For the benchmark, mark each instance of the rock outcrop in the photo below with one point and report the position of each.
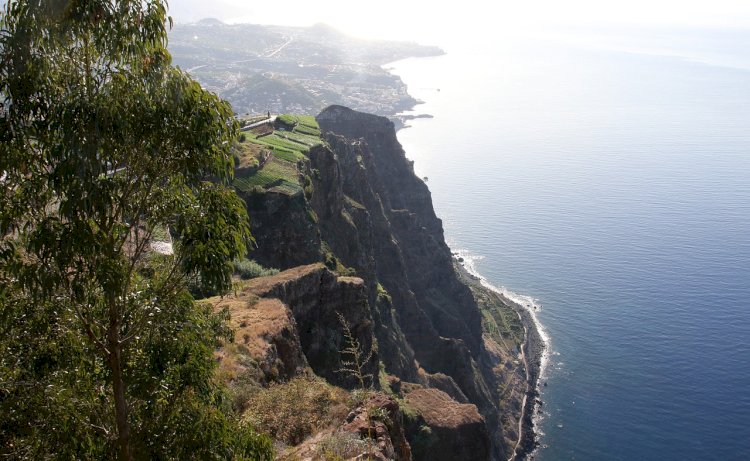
(267, 332)
(379, 419)
(320, 301)
(446, 430)
(374, 430)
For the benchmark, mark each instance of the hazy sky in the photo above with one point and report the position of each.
(429, 20)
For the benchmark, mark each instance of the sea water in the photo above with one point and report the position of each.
(609, 179)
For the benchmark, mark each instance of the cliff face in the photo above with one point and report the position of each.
(282, 226)
(322, 303)
(458, 431)
(368, 209)
(409, 257)
(409, 251)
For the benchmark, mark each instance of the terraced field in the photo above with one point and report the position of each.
(286, 146)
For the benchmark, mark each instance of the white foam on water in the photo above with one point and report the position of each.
(532, 306)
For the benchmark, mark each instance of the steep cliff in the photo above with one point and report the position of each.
(322, 304)
(365, 212)
(436, 312)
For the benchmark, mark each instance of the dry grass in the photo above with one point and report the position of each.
(292, 411)
(436, 406)
(254, 321)
(261, 286)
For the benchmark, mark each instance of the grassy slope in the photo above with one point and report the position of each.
(287, 145)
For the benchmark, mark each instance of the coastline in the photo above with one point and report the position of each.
(533, 354)
(408, 113)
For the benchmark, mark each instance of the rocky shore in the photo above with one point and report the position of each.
(533, 354)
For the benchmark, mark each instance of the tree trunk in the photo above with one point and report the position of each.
(118, 390)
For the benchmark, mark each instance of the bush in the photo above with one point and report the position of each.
(249, 269)
(334, 264)
(344, 445)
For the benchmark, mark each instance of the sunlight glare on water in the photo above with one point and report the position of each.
(610, 180)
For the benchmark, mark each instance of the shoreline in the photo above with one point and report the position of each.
(402, 118)
(534, 351)
(533, 354)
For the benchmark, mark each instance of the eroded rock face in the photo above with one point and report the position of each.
(266, 333)
(353, 224)
(379, 419)
(435, 311)
(284, 228)
(408, 222)
(316, 297)
(268, 329)
(445, 429)
(376, 216)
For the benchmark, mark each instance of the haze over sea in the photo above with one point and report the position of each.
(609, 178)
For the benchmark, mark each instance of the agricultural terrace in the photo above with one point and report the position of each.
(267, 156)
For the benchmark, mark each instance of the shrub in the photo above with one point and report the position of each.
(292, 411)
(344, 445)
(249, 269)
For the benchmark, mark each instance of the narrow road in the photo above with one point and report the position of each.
(274, 52)
(526, 391)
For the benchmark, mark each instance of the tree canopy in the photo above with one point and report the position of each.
(103, 146)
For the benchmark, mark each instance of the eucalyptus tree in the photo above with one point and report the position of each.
(103, 143)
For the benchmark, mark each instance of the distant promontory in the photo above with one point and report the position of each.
(280, 69)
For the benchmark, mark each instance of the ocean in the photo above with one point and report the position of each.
(606, 176)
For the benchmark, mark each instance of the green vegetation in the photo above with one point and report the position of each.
(286, 148)
(333, 263)
(278, 142)
(308, 130)
(499, 320)
(383, 294)
(276, 173)
(293, 120)
(103, 144)
(288, 155)
(287, 119)
(353, 203)
(249, 269)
